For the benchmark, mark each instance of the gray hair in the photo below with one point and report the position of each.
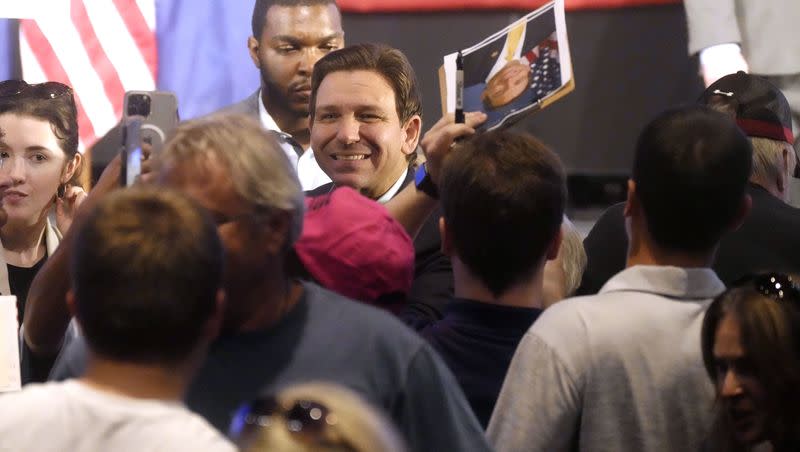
(767, 159)
(259, 169)
(573, 256)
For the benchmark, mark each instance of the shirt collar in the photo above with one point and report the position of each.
(393, 189)
(673, 282)
(264, 116)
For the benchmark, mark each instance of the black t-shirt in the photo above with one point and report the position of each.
(327, 337)
(477, 341)
(19, 281)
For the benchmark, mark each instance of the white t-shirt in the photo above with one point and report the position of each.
(72, 416)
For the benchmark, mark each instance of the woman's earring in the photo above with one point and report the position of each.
(62, 190)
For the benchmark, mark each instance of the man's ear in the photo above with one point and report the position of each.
(411, 134)
(252, 48)
(276, 231)
(214, 324)
(555, 245)
(744, 211)
(782, 183)
(71, 305)
(447, 242)
(632, 200)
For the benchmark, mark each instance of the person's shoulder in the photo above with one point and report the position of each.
(187, 431)
(567, 318)
(326, 305)
(34, 403)
(247, 106)
(321, 190)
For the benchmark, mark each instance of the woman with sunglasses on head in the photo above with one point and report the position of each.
(38, 157)
(314, 417)
(751, 350)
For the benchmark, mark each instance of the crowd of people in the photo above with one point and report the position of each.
(307, 271)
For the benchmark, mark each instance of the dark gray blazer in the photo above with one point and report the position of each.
(248, 106)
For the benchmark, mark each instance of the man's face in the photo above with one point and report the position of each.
(508, 84)
(356, 134)
(294, 38)
(209, 184)
(742, 394)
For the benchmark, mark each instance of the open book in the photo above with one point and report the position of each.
(9, 345)
(518, 70)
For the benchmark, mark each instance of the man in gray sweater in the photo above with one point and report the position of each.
(622, 370)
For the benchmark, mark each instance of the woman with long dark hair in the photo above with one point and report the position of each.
(751, 350)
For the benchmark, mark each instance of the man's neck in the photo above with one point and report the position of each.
(140, 381)
(271, 300)
(288, 120)
(651, 254)
(528, 294)
(772, 189)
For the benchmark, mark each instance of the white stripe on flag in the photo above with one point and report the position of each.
(119, 46)
(148, 9)
(72, 55)
(33, 70)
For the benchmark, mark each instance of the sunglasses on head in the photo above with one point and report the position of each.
(309, 421)
(778, 286)
(46, 90)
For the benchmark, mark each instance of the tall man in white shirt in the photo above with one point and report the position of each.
(289, 37)
(622, 370)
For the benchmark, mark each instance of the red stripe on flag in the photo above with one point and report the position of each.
(112, 85)
(144, 37)
(54, 71)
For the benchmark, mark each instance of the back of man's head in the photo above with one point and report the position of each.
(503, 196)
(761, 110)
(690, 169)
(261, 7)
(146, 268)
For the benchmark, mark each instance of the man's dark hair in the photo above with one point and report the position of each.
(262, 6)
(691, 168)
(503, 196)
(389, 63)
(145, 269)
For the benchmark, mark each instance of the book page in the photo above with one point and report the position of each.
(516, 71)
(9, 345)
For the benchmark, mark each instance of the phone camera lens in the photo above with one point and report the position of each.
(139, 104)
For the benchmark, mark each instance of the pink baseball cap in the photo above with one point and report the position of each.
(351, 245)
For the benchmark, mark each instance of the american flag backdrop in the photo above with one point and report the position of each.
(194, 48)
(101, 48)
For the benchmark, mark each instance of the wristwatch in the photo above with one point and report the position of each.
(424, 182)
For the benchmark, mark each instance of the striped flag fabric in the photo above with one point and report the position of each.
(101, 48)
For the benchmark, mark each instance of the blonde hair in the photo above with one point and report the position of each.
(358, 428)
(573, 256)
(259, 169)
(767, 159)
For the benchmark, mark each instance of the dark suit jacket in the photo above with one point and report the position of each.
(432, 288)
(479, 63)
(248, 106)
(767, 240)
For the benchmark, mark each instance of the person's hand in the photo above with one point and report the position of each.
(146, 175)
(438, 141)
(67, 206)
